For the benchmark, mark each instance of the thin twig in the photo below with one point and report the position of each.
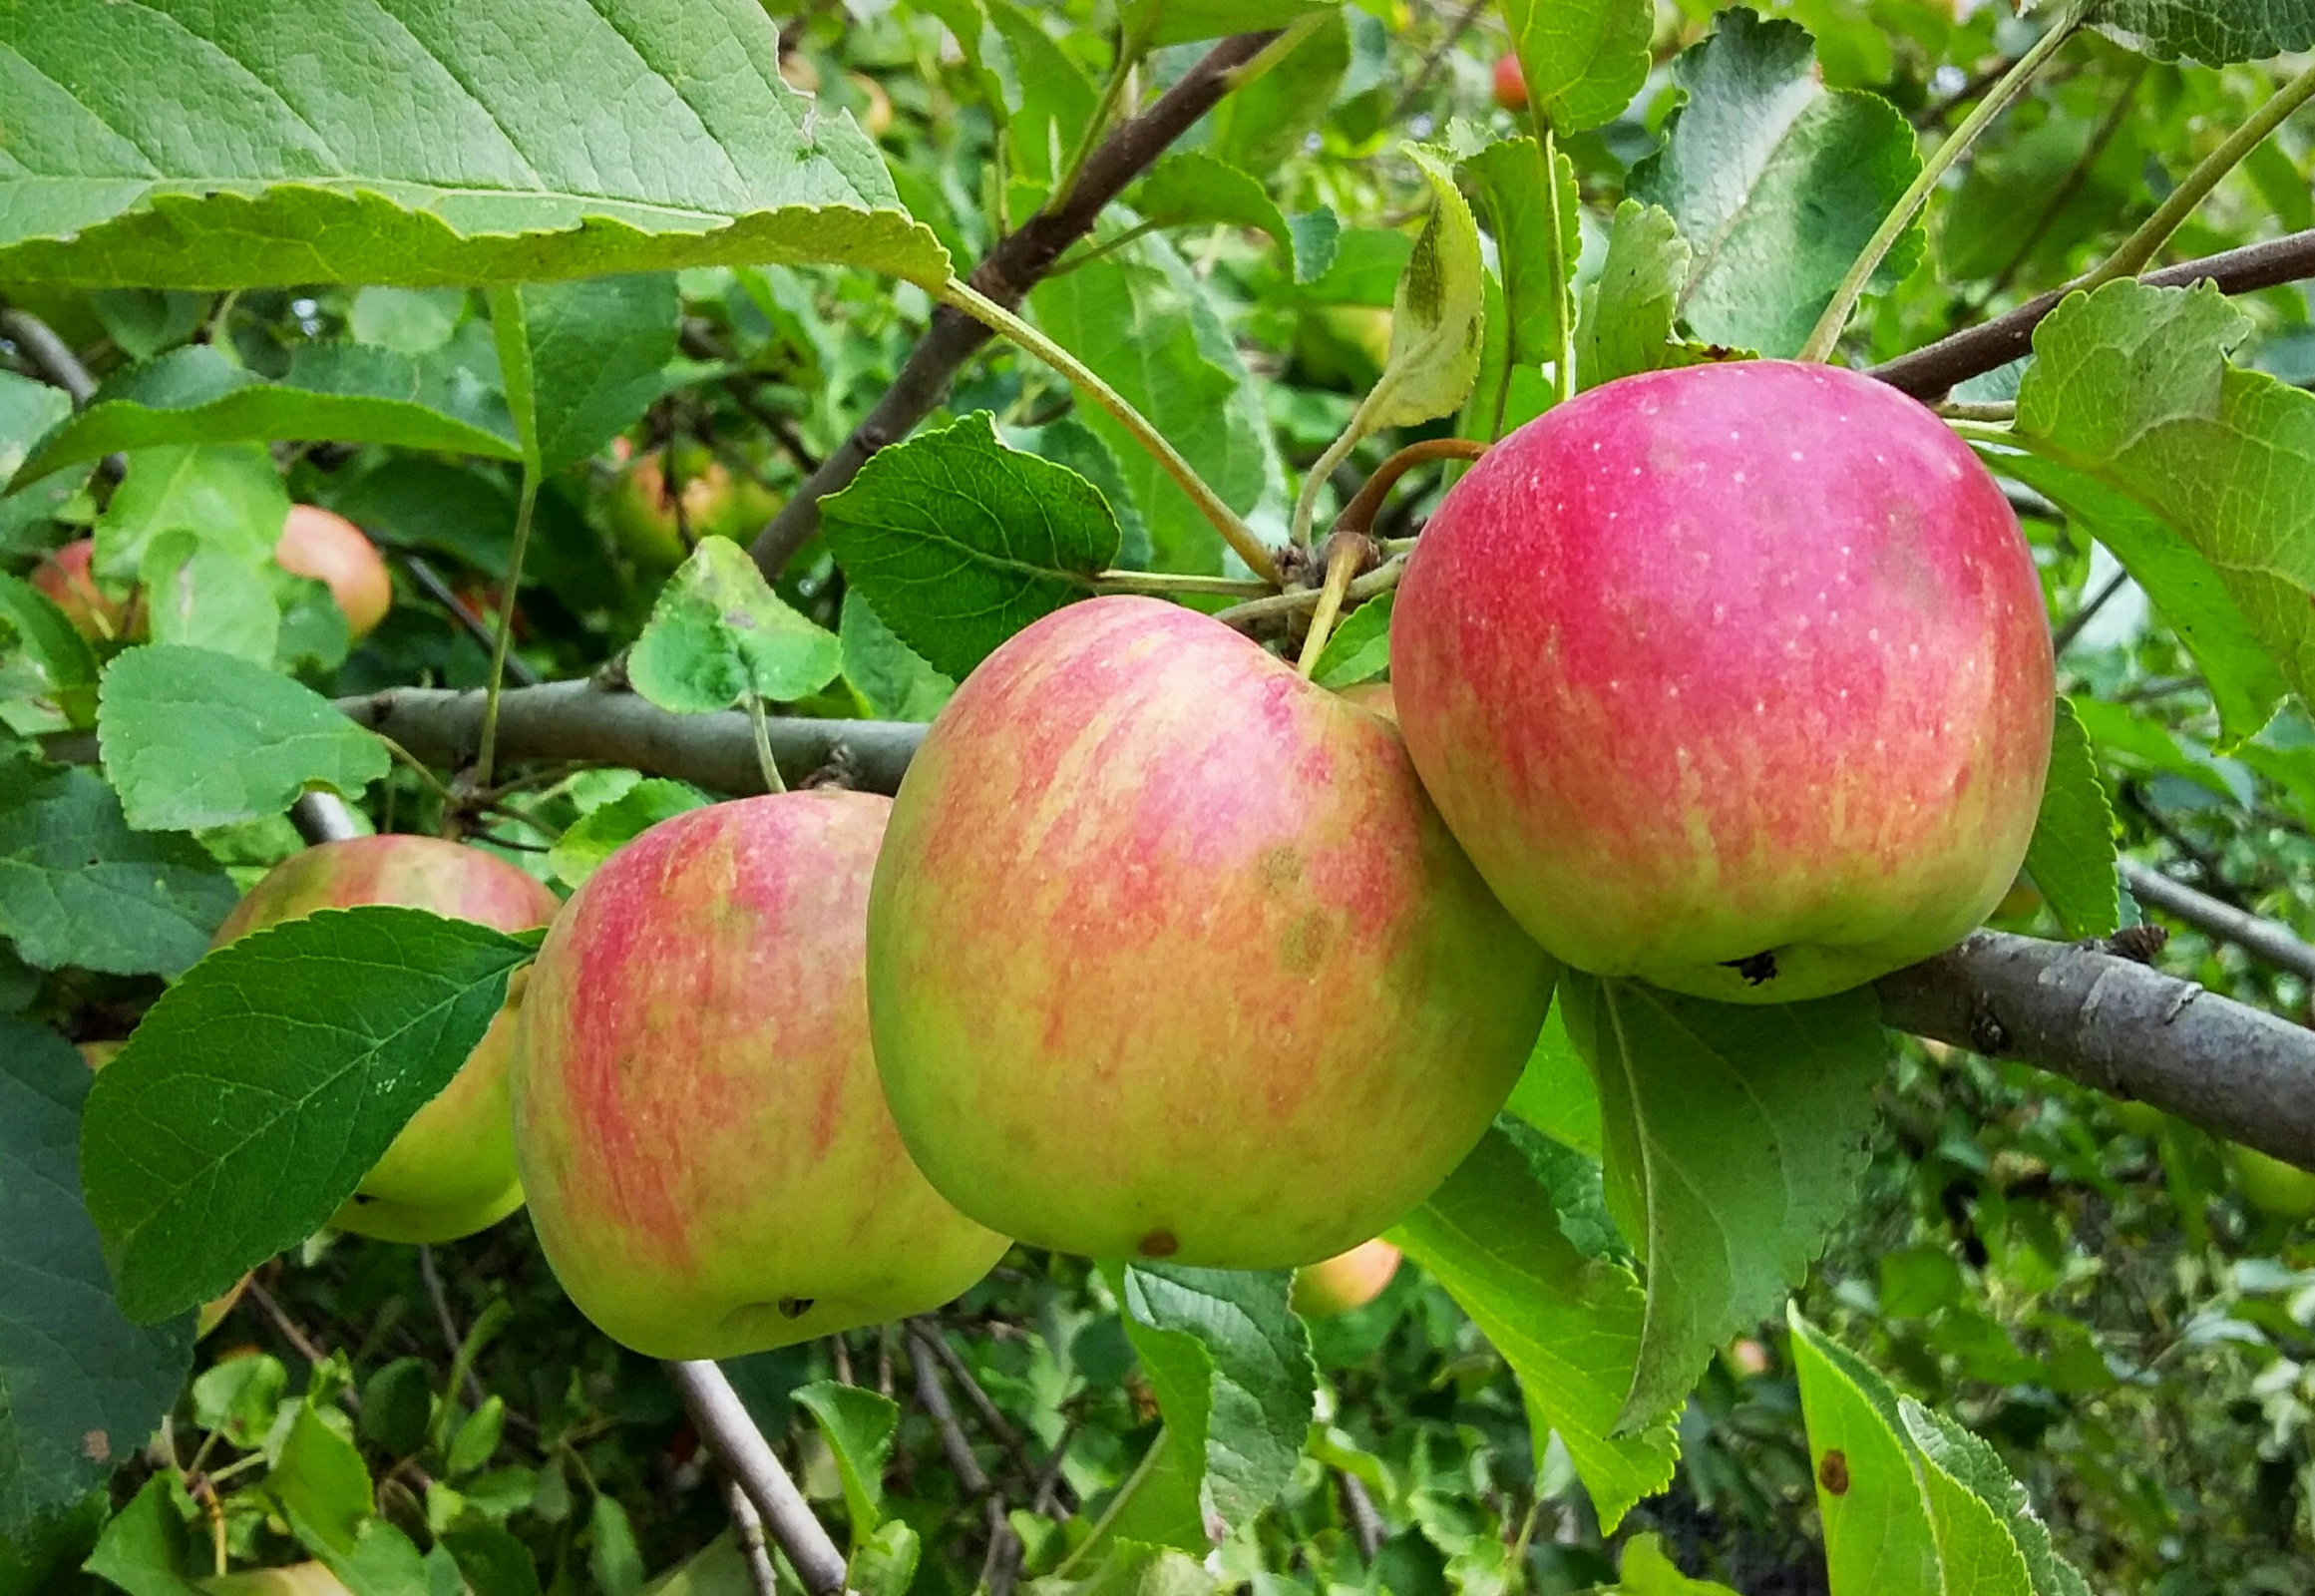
(1358, 1507)
(442, 1316)
(728, 1433)
(2063, 637)
(748, 1529)
(431, 584)
(1359, 515)
(1421, 81)
(1380, 579)
(2268, 941)
(50, 354)
(992, 1418)
(935, 1397)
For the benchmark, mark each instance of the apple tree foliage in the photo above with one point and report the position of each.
(1761, 1299)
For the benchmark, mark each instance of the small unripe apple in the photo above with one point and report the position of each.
(451, 1172)
(1165, 938)
(66, 579)
(1510, 82)
(2274, 1188)
(323, 544)
(1346, 1281)
(1735, 679)
(710, 1165)
(716, 503)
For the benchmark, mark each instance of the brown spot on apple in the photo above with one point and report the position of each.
(1158, 1244)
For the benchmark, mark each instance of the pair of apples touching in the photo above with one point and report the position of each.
(1733, 678)
(314, 542)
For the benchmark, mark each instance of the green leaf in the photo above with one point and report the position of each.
(1261, 126)
(225, 496)
(1436, 313)
(337, 393)
(1569, 1325)
(886, 1564)
(2214, 32)
(1359, 649)
(1508, 179)
(859, 1426)
(29, 411)
(1584, 60)
(594, 358)
(476, 1439)
(241, 1396)
(410, 321)
(1231, 1366)
(492, 1560)
(261, 1089)
(1147, 328)
(192, 739)
(1877, 1532)
(1069, 442)
(202, 598)
(43, 660)
(614, 1561)
(892, 680)
(1647, 1571)
(1968, 1461)
(397, 1407)
(2191, 597)
(1555, 1093)
(320, 1484)
(144, 1549)
(142, 322)
(2072, 856)
(80, 1387)
(2132, 389)
(77, 887)
(1734, 1138)
(961, 542)
(1193, 188)
(1133, 1568)
(1626, 326)
(603, 830)
(1158, 23)
(546, 139)
(1777, 180)
(719, 635)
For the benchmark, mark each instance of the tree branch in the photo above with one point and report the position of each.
(727, 1432)
(2122, 1027)
(2262, 938)
(50, 353)
(1930, 371)
(1010, 270)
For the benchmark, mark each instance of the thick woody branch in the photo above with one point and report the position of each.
(732, 1436)
(1010, 270)
(2122, 1027)
(1932, 370)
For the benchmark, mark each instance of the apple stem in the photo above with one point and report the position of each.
(488, 745)
(1343, 557)
(1826, 335)
(1359, 515)
(1236, 533)
(1380, 579)
(1171, 581)
(761, 730)
(2143, 245)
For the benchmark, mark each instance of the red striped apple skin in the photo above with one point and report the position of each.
(710, 1165)
(1169, 955)
(1731, 660)
(451, 1172)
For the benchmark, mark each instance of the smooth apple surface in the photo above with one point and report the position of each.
(1736, 678)
(703, 1138)
(334, 551)
(1510, 82)
(716, 503)
(1165, 940)
(1346, 1281)
(451, 1172)
(66, 578)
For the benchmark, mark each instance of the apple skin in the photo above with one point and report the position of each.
(323, 544)
(642, 510)
(1346, 1281)
(451, 1172)
(2274, 1188)
(1510, 84)
(712, 1167)
(1165, 938)
(66, 579)
(1726, 661)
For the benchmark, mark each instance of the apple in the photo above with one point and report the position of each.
(451, 1172)
(716, 503)
(710, 1165)
(2274, 1188)
(1510, 84)
(66, 579)
(1346, 1281)
(1165, 938)
(1735, 679)
(323, 544)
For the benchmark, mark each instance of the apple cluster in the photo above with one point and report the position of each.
(1732, 678)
